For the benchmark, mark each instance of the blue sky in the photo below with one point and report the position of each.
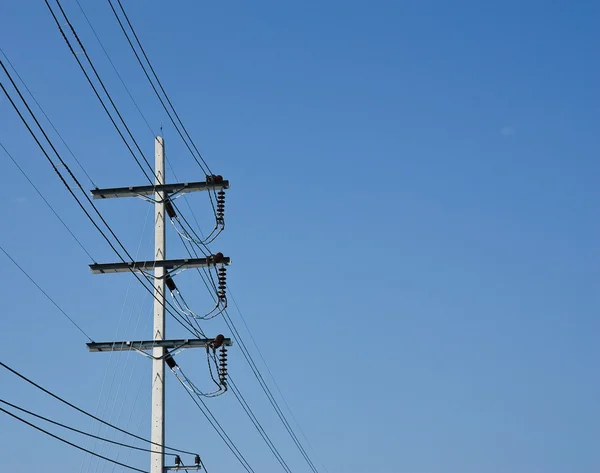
(413, 224)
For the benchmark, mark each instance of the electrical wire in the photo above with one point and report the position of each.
(115, 68)
(237, 307)
(204, 166)
(269, 395)
(97, 94)
(137, 106)
(214, 423)
(73, 429)
(265, 387)
(122, 368)
(47, 203)
(272, 400)
(90, 202)
(47, 118)
(70, 443)
(82, 411)
(45, 294)
(237, 393)
(207, 171)
(76, 56)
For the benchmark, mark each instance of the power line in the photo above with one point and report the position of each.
(73, 429)
(114, 123)
(262, 383)
(45, 294)
(214, 422)
(239, 396)
(76, 56)
(47, 118)
(202, 165)
(269, 370)
(70, 443)
(46, 202)
(90, 202)
(82, 411)
(267, 390)
(272, 400)
(115, 68)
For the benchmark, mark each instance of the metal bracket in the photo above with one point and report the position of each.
(177, 468)
(169, 264)
(138, 191)
(140, 345)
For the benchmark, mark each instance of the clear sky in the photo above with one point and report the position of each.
(413, 224)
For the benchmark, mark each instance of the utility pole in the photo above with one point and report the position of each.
(158, 365)
(159, 345)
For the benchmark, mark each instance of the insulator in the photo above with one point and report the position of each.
(170, 209)
(197, 460)
(223, 365)
(220, 206)
(218, 341)
(214, 179)
(222, 270)
(170, 361)
(177, 460)
(170, 283)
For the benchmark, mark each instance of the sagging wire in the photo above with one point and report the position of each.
(220, 304)
(211, 356)
(186, 237)
(219, 211)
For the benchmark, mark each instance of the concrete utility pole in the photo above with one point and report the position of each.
(158, 365)
(159, 346)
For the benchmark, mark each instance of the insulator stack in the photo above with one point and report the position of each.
(221, 207)
(223, 366)
(222, 283)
